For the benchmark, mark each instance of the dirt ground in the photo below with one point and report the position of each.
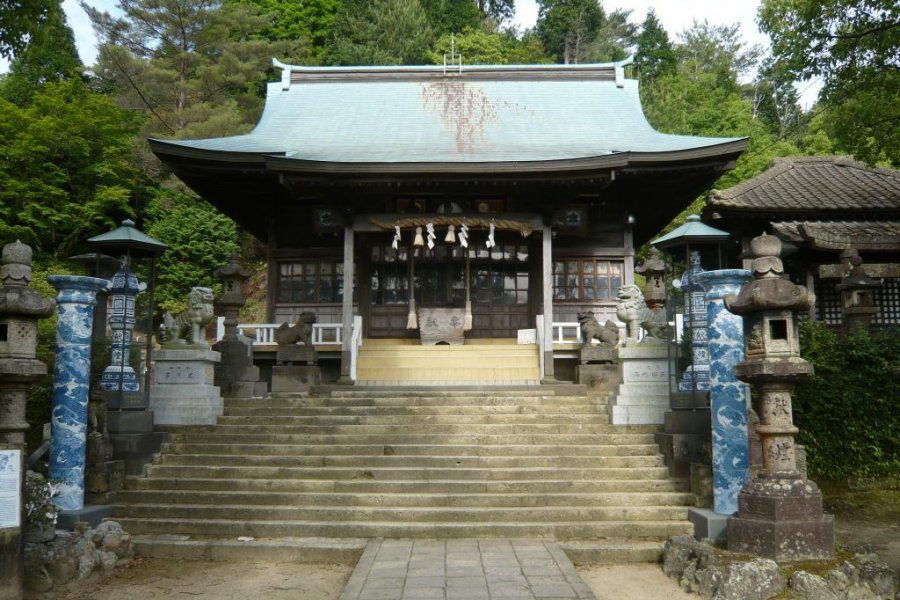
(164, 579)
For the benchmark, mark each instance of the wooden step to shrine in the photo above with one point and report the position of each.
(296, 472)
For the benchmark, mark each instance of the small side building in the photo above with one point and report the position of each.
(821, 206)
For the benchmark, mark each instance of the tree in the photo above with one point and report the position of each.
(50, 56)
(614, 38)
(718, 50)
(20, 19)
(853, 46)
(776, 101)
(186, 63)
(452, 16)
(480, 47)
(496, 10)
(200, 240)
(567, 27)
(380, 32)
(305, 23)
(655, 55)
(67, 169)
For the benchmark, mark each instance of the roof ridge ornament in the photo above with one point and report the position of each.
(285, 74)
(619, 67)
(453, 55)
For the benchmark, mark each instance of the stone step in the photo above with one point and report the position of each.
(408, 473)
(575, 410)
(450, 374)
(611, 552)
(540, 391)
(225, 497)
(219, 436)
(411, 360)
(410, 427)
(411, 450)
(392, 400)
(417, 420)
(430, 462)
(405, 514)
(560, 530)
(328, 551)
(370, 486)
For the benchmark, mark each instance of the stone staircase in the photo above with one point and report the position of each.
(479, 362)
(538, 462)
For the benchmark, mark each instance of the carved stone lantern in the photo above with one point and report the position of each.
(654, 271)
(20, 309)
(857, 293)
(779, 513)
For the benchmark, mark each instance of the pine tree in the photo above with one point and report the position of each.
(50, 56)
(380, 32)
(655, 55)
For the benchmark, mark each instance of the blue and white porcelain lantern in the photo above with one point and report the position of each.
(124, 288)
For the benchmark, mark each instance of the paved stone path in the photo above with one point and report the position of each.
(464, 570)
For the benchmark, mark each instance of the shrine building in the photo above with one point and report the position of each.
(517, 192)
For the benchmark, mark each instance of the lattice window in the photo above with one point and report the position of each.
(311, 281)
(828, 302)
(887, 299)
(586, 280)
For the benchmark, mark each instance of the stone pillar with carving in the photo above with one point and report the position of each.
(779, 513)
(235, 375)
(20, 309)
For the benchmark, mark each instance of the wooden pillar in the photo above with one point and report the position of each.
(547, 281)
(347, 307)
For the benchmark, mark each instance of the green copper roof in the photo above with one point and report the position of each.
(691, 232)
(427, 115)
(127, 237)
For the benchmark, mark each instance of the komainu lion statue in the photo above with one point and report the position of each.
(187, 326)
(608, 333)
(301, 331)
(633, 310)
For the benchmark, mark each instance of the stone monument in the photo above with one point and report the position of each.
(182, 390)
(643, 396)
(729, 402)
(296, 368)
(20, 309)
(695, 377)
(779, 513)
(236, 375)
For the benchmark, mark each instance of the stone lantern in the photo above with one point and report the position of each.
(779, 513)
(857, 294)
(235, 375)
(654, 271)
(20, 309)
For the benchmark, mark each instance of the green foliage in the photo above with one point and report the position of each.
(452, 16)
(480, 47)
(380, 32)
(497, 11)
(20, 19)
(200, 239)
(852, 45)
(49, 56)
(307, 22)
(184, 77)
(66, 172)
(655, 54)
(847, 412)
(567, 27)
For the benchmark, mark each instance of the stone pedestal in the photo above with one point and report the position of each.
(295, 378)
(643, 397)
(682, 439)
(235, 375)
(182, 390)
(598, 376)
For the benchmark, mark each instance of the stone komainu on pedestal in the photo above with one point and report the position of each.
(607, 334)
(779, 513)
(296, 367)
(187, 326)
(634, 312)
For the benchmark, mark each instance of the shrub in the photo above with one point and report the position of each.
(847, 411)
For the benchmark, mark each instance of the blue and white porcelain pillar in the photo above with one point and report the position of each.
(728, 395)
(76, 298)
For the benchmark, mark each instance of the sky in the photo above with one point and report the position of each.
(675, 16)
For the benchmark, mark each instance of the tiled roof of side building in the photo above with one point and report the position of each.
(814, 183)
(428, 115)
(838, 235)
